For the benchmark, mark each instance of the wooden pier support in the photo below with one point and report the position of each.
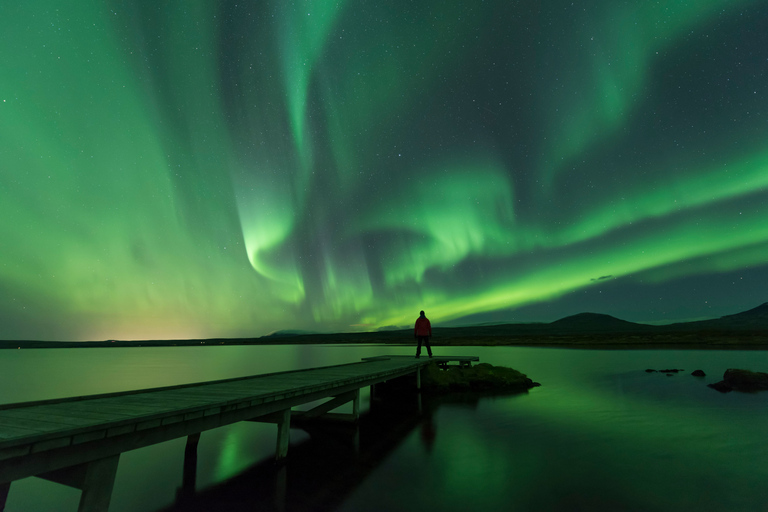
(95, 479)
(189, 475)
(323, 409)
(98, 481)
(283, 421)
(356, 404)
(283, 434)
(4, 488)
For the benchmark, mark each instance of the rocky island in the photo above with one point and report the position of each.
(481, 377)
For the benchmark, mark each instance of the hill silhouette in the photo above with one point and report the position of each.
(750, 327)
(597, 322)
(287, 332)
(745, 329)
(755, 319)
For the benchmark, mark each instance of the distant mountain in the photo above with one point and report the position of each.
(755, 319)
(596, 322)
(391, 328)
(287, 332)
(756, 316)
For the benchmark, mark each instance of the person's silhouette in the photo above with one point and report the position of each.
(422, 331)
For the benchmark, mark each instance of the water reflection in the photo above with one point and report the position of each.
(321, 472)
(600, 434)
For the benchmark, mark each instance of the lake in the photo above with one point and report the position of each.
(599, 434)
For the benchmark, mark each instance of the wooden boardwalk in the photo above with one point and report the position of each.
(77, 441)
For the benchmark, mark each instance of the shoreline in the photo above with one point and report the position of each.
(735, 340)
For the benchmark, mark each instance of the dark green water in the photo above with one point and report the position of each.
(599, 434)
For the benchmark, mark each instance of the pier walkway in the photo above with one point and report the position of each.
(78, 441)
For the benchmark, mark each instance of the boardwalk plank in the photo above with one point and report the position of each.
(96, 414)
(35, 426)
(11, 431)
(62, 419)
(123, 411)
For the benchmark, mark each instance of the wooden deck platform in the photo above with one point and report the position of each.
(440, 360)
(77, 441)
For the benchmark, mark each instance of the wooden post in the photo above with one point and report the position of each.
(356, 405)
(418, 379)
(95, 479)
(283, 434)
(4, 489)
(189, 475)
(98, 481)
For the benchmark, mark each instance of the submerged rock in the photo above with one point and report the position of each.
(741, 380)
(721, 387)
(481, 377)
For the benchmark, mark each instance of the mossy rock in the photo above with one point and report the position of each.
(481, 377)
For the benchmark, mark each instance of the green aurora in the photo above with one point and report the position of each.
(218, 169)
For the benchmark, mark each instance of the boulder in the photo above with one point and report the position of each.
(481, 377)
(745, 380)
(742, 380)
(721, 387)
(698, 373)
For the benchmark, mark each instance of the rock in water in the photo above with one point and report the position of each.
(698, 373)
(742, 380)
(721, 387)
(481, 377)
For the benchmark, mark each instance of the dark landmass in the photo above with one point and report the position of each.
(748, 329)
(741, 380)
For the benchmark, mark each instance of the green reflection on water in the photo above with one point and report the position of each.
(600, 434)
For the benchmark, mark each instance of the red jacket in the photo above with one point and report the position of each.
(422, 327)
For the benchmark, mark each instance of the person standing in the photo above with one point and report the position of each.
(423, 331)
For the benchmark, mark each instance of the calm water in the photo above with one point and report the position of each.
(600, 434)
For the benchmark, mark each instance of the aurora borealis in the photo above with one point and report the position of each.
(223, 169)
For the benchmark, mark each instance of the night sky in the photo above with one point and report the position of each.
(189, 169)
